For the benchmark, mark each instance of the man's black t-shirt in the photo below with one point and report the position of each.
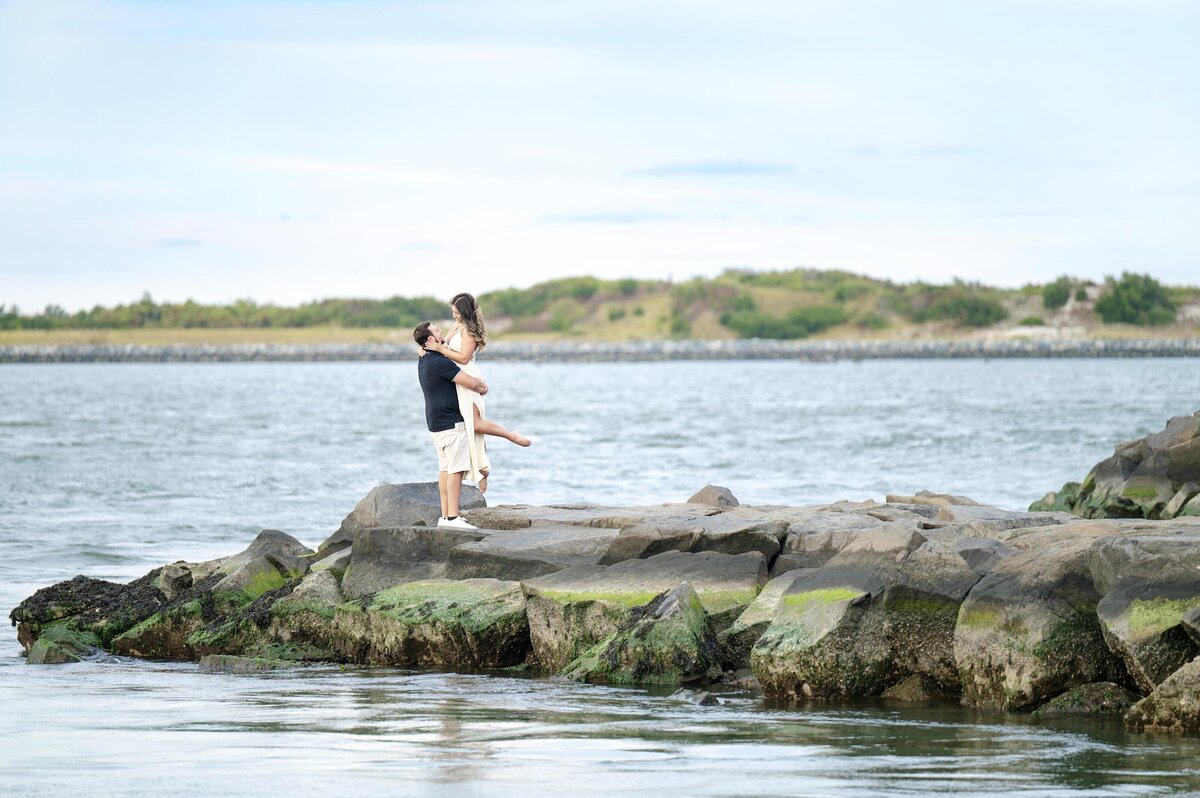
(437, 373)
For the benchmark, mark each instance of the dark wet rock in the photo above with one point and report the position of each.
(165, 634)
(385, 557)
(714, 496)
(471, 624)
(302, 621)
(914, 689)
(982, 554)
(1174, 706)
(1149, 580)
(695, 530)
(1028, 631)
(667, 641)
(1097, 698)
(737, 641)
(226, 663)
(105, 609)
(882, 609)
(578, 607)
(525, 553)
(410, 504)
(1142, 479)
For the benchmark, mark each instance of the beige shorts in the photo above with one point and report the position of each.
(454, 451)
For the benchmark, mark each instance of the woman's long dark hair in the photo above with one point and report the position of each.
(472, 317)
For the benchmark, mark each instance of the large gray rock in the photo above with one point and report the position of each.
(815, 537)
(520, 516)
(1174, 706)
(1028, 631)
(410, 504)
(1143, 477)
(580, 606)
(668, 641)
(714, 496)
(880, 611)
(1149, 581)
(525, 553)
(697, 529)
(388, 556)
(472, 624)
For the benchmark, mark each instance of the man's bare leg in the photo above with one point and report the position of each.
(442, 491)
(453, 493)
(487, 427)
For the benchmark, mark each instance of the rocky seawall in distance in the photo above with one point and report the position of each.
(617, 351)
(925, 596)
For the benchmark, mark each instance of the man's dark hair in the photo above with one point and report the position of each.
(422, 334)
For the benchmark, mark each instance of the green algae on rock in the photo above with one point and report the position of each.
(474, 624)
(668, 641)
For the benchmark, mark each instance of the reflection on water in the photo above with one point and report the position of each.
(113, 470)
(446, 734)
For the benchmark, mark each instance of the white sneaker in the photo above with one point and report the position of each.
(457, 523)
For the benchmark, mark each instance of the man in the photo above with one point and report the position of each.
(438, 375)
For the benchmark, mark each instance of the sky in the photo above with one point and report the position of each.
(290, 151)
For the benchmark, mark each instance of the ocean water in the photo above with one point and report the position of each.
(111, 470)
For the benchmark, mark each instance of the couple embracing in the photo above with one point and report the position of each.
(454, 407)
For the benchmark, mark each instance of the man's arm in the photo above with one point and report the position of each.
(471, 383)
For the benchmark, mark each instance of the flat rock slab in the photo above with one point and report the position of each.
(471, 624)
(696, 530)
(410, 504)
(722, 581)
(525, 553)
(388, 556)
(518, 516)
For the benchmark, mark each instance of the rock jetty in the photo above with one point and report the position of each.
(619, 351)
(919, 597)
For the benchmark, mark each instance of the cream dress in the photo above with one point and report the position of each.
(467, 401)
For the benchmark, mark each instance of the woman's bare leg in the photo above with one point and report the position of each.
(486, 427)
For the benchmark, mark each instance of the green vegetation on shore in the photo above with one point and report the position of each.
(791, 304)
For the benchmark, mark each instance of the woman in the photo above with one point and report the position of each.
(463, 340)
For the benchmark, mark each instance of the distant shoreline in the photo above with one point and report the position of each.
(620, 351)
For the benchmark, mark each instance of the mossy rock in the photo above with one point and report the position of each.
(94, 606)
(62, 642)
(1097, 698)
(469, 624)
(225, 663)
(667, 641)
(164, 635)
